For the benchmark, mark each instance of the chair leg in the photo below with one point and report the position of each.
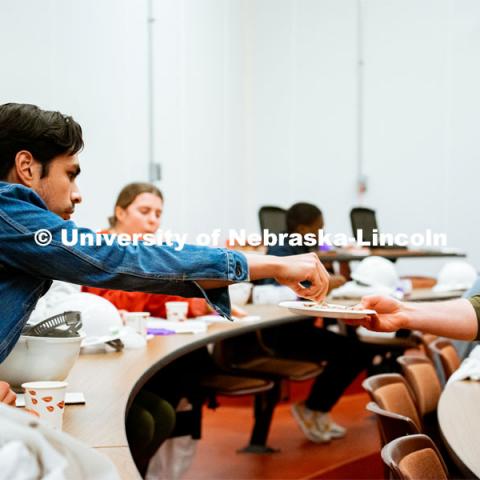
(264, 406)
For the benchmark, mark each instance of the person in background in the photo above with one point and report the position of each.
(304, 219)
(346, 356)
(138, 210)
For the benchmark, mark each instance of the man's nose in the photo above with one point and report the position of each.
(76, 196)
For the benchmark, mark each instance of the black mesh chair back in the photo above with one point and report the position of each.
(363, 219)
(274, 219)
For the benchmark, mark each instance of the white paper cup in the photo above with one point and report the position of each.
(137, 320)
(177, 311)
(47, 399)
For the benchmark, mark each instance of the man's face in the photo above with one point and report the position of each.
(58, 188)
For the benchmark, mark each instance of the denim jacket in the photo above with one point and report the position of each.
(27, 269)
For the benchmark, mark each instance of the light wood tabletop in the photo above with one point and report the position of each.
(417, 295)
(110, 381)
(459, 419)
(390, 253)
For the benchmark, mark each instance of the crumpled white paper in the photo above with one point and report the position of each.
(30, 449)
(470, 367)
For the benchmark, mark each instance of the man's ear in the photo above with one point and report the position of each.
(26, 168)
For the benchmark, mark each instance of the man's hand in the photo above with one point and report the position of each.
(391, 314)
(6, 394)
(291, 271)
(294, 270)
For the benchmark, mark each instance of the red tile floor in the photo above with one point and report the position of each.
(226, 429)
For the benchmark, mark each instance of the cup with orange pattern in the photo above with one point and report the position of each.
(47, 399)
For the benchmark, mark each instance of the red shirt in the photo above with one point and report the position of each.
(148, 302)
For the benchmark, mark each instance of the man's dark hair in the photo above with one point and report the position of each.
(301, 214)
(43, 133)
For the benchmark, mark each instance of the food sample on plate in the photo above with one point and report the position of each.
(326, 310)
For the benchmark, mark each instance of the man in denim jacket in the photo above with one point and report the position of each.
(38, 194)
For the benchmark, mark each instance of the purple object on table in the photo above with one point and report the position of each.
(159, 331)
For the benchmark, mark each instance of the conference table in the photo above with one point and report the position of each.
(459, 419)
(346, 255)
(110, 381)
(417, 295)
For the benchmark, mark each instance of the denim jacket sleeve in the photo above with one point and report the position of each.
(155, 269)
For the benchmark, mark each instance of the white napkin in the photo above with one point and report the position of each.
(18, 462)
(470, 367)
(31, 449)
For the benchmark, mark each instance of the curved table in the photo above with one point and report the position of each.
(110, 381)
(390, 253)
(459, 419)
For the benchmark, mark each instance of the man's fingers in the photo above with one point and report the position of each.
(325, 287)
(304, 292)
(312, 293)
(319, 280)
(325, 277)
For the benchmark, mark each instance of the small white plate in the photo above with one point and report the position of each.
(314, 309)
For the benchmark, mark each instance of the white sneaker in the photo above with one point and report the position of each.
(306, 420)
(324, 423)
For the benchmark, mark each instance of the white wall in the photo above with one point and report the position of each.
(421, 117)
(199, 113)
(302, 105)
(256, 103)
(86, 58)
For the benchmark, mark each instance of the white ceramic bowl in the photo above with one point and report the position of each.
(240, 293)
(40, 358)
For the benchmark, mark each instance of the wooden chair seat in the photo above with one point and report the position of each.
(295, 370)
(233, 386)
